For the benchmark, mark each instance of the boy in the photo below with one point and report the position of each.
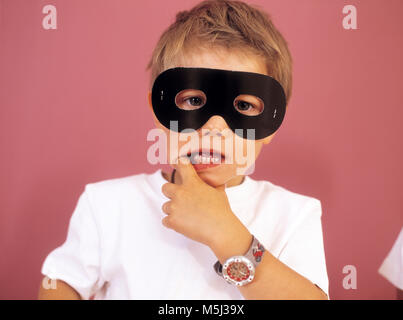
(234, 237)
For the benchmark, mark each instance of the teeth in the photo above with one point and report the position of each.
(205, 159)
(216, 160)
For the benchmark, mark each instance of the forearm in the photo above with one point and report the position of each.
(61, 291)
(273, 279)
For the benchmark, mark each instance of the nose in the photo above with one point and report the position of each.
(215, 125)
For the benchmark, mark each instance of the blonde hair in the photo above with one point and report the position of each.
(228, 24)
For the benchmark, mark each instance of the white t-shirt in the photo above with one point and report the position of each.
(117, 247)
(392, 266)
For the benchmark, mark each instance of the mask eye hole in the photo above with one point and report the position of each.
(248, 105)
(190, 99)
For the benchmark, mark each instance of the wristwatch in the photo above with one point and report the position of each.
(240, 270)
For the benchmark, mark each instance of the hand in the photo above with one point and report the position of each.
(198, 210)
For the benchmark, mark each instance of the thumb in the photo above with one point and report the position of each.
(185, 168)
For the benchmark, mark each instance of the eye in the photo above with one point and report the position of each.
(244, 106)
(194, 101)
(249, 105)
(190, 99)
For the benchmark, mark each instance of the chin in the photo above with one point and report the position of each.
(210, 178)
(216, 177)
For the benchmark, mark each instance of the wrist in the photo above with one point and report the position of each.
(234, 242)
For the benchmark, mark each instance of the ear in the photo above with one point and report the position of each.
(150, 105)
(149, 101)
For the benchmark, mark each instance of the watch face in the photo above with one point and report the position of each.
(238, 270)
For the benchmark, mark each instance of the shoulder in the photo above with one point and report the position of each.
(113, 190)
(286, 210)
(286, 199)
(280, 213)
(117, 201)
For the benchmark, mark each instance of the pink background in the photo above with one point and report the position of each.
(74, 111)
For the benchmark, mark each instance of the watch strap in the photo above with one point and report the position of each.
(255, 252)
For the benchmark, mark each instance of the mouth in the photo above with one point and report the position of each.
(205, 158)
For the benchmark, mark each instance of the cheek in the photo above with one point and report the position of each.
(166, 146)
(177, 144)
(254, 150)
(258, 148)
(249, 149)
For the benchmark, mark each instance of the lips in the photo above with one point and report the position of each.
(205, 156)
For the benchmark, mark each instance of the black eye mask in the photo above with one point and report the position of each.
(220, 88)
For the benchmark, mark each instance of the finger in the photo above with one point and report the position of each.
(165, 222)
(186, 170)
(169, 189)
(166, 207)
